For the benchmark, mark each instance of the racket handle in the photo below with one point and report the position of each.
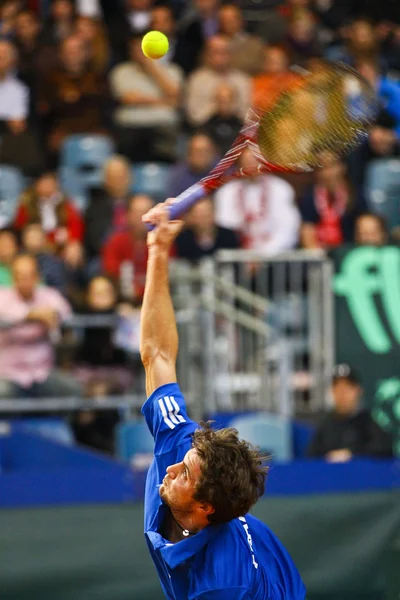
(184, 202)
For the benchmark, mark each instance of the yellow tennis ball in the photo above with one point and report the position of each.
(155, 44)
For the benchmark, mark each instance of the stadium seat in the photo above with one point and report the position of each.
(12, 184)
(272, 433)
(74, 187)
(382, 189)
(54, 429)
(134, 443)
(151, 179)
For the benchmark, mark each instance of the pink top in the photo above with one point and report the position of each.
(26, 350)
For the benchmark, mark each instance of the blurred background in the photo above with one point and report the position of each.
(286, 290)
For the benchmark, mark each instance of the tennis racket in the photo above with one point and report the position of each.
(326, 109)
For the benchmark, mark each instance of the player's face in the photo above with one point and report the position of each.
(180, 483)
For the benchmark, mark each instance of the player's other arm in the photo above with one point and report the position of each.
(158, 331)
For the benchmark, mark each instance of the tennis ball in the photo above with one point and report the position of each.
(155, 44)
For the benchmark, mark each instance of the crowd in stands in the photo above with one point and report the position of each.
(73, 77)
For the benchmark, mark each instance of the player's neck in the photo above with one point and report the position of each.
(187, 524)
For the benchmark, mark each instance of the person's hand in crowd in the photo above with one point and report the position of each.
(339, 456)
(73, 254)
(61, 236)
(46, 316)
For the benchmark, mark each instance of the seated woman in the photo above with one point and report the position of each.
(330, 208)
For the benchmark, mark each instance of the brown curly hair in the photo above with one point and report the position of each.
(232, 473)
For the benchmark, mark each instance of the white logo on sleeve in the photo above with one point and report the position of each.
(249, 540)
(170, 411)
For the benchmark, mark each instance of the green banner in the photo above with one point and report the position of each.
(367, 303)
(343, 545)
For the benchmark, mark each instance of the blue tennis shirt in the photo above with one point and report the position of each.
(239, 560)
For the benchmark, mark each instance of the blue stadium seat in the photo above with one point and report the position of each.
(151, 179)
(134, 443)
(74, 186)
(382, 189)
(272, 433)
(54, 429)
(12, 184)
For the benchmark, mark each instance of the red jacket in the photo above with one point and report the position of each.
(74, 223)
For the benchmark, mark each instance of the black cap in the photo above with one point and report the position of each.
(344, 371)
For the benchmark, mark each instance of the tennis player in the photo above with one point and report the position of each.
(202, 482)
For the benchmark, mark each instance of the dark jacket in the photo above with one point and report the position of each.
(98, 222)
(188, 247)
(359, 433)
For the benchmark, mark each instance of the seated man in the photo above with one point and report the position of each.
(348, 430)
(29, 316)
(202, 482)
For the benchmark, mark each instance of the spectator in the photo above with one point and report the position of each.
(184, 45)
(247, 49)
(31, 315)
(72, 98)
(261, 209)
(92, 33)
(349, 431)
(330, 208)
(8, 251)
(61, 22)
(274, 80)
(201, 158)
(224, 126)
(125, 252)
(14, 95)
(107, 207)
(371, 230)
(77, 276)
(46, 204)
(132, 20)
(301, 40)
(20, 148)
(205, 16)
(387, 91)
(51, 267)
(147, 94)
(382, 142)
(361, 43)
(8, 13)
(202, 236)
(204, 82)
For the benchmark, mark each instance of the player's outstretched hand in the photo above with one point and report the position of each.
(165, 231)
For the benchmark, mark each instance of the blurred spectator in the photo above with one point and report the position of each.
(361, 43)
(261, 209)
(98, 359)
(275, 79)
(34, 56)
(301, 40)
(185, 45)
(132, 19)
(77, 276)
(201, 158)
(330, 209)
(14, 95)
(8, 12)
(205, 16)
(388, 91)
(107, 207)
(147, 95)
(72, 98)
(125, 252)
(371, 230)
(8, 251)
(31, 314)
(224, 125)
(20, 148)
(382, 142)
(349, 431)
(204, 82)
(46, 204)
(247, 49)
(92, 33)
(202, 236)
(60, 24)
(51, 267)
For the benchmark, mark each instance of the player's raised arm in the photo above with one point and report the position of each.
(158, 332)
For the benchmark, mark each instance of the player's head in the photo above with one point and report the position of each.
(219, 479)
